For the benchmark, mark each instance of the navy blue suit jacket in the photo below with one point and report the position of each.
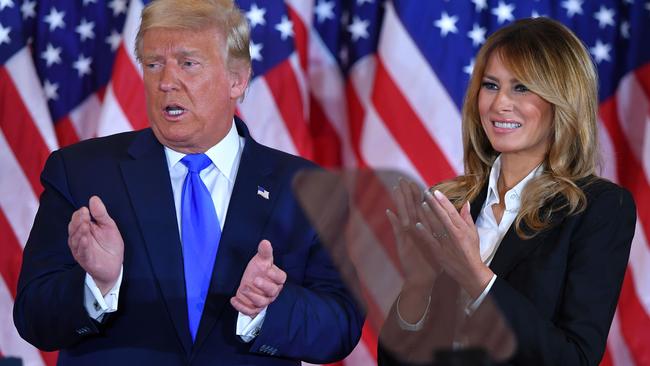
(314, 318)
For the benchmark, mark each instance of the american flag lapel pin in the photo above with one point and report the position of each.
(262, 192)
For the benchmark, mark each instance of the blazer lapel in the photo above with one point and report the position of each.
(247, 215)
(512, 248)
(147, 180)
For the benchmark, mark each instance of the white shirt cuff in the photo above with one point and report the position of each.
(97, 305)
(479, 300)
(248, 328)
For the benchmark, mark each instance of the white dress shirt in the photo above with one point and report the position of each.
(219, 178)
(489, 231)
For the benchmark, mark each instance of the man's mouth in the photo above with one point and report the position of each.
(174, 110)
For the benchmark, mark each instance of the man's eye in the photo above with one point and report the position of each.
(489, 85)
(190, 63)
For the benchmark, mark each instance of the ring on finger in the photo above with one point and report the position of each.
(440, 236)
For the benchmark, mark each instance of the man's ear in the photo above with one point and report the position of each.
(240, 73)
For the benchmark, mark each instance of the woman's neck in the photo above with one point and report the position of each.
(515, 168)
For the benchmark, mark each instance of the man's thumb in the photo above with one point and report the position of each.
(265, 250)
(98, 210)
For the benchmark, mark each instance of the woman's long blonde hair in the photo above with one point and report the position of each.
(551, 61)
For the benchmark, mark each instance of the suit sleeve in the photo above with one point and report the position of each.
(597, 259)
(49, 310)
(315, 318)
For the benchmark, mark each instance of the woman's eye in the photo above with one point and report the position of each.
(521, 88)
(490, 85)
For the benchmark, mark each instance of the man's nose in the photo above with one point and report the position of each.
(169, 78)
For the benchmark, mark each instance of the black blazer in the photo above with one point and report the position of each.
(559, 289)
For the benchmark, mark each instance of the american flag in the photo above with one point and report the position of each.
(346, 83)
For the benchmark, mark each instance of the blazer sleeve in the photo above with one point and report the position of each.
(597, 255)
(48, 310)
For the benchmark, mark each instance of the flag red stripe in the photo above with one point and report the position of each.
(128, 89)
(11, 257)
(407, 129)
(327, 144)
(286, 94)
(630, 171)
(356, 115)
(65, 132)
(607, 359)
(300, 37)
(22, 135)
(635, 322)
(643, 76)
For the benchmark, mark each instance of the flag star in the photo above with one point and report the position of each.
(256, 16)
(55, 19)
(446, 24)
(468, 69)
(118, 7)
(572, 7)
(4, 34)
(480, 5)
(255, 50)
(6, 4)
(503, 12)
(605, 17)
(647, 6)
(86, 2)
(114, 40)
(51, 90)
(285, 27)
(324, 10)
(625, 29)
(477, 34)
(344, 55)
(85, 30)
(535, 14)
(359, 28)
(82, 65)
(51, 55)
(601, 51)
(28, 9)
(361, 2)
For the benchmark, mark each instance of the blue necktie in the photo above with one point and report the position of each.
(200, 234)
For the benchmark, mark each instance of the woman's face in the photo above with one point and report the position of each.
(516, 120)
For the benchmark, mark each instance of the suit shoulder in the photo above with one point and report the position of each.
(603, 193)
(287, 160)
(101, 146)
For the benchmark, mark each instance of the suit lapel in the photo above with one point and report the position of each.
(147, 180)
(247, 215)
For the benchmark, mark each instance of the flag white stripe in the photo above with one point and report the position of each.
(616, 345)
(640, 267)
(17, 199)
(11, 344)
(112, 119)
(327, 86)
(263, 117)
(23, 74)
(421, 87)
(633, 109)
(84, 117)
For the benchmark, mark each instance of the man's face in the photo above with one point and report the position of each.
(190, 90)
